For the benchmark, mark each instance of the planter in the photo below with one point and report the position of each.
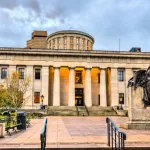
(2, 130)
(122, 112)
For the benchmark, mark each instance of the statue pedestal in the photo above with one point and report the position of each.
(139, 117)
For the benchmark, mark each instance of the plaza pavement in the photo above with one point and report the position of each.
(73, 132)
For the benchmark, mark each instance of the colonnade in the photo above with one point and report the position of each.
(87, 87)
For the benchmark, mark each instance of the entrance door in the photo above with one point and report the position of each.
(79, 97)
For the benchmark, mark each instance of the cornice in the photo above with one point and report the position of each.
(92, 53)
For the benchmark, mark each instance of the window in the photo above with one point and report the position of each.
(120, 75)
(78, 78)
(58, 42)
(53, 44)
(3, 73)
(36, 97)
(77, 43)
(121, 98)
(65, 42)
(37, 74)
(50, 44)
(21, 73)
(71, 42)
(98, 75)
(87, 45)
(83, 44)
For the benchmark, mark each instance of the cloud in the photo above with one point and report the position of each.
(106, 20)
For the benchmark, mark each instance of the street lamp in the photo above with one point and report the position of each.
(42, 98)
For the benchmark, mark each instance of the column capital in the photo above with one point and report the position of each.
(56, 67)
(88, 68)
(71, 67)
(45, 65)
(102, 68)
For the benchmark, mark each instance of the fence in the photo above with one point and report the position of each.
(115, 137)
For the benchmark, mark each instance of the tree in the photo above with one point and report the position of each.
(13, 90)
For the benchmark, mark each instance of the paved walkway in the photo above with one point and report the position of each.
(73, 132)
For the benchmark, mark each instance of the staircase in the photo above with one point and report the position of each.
(62, 111)
(101, 111)
(82, 111)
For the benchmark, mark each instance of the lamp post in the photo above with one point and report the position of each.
(42, 98)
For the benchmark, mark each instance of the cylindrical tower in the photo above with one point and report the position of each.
(71, 40)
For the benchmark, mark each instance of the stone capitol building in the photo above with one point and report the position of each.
(66, 70)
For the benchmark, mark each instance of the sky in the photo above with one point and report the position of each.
(106, 20)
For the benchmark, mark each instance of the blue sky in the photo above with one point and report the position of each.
(106, 20)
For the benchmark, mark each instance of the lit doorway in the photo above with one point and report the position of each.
(79, 96)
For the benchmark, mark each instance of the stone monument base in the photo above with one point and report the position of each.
(139, 116)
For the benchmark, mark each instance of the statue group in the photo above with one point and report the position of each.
(141, 78)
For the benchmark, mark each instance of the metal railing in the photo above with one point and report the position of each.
(43, 135)
(86, 109)
(115, 137)
(77, 109)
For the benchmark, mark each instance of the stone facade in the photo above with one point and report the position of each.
(38, 40)
(59, 67)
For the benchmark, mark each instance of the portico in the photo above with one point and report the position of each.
(67, 80)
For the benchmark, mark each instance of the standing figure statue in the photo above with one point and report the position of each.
(142, 79)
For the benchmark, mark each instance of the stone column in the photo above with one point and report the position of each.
(56, 89)
(71, 101)
(61, 43)
(68, 42)
(103, 97)
(30, 92)
(74, 43)
(88, 91)
(80, 44)
(128, 75)
(114, 87)
(45, 83)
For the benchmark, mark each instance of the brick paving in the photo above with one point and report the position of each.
(68, 132)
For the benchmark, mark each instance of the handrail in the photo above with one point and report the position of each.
(117, 137)
(77, 109)
(86, 109)
(43, 135)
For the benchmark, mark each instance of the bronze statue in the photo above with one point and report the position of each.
(142, 78)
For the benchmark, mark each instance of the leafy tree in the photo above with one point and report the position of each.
(13, 91)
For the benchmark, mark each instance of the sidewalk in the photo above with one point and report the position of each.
(68, 132)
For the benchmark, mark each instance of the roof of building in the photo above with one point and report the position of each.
(71, 32)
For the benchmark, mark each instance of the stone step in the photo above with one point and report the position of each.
(63, 108)
(72, 111)
(62, 113)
